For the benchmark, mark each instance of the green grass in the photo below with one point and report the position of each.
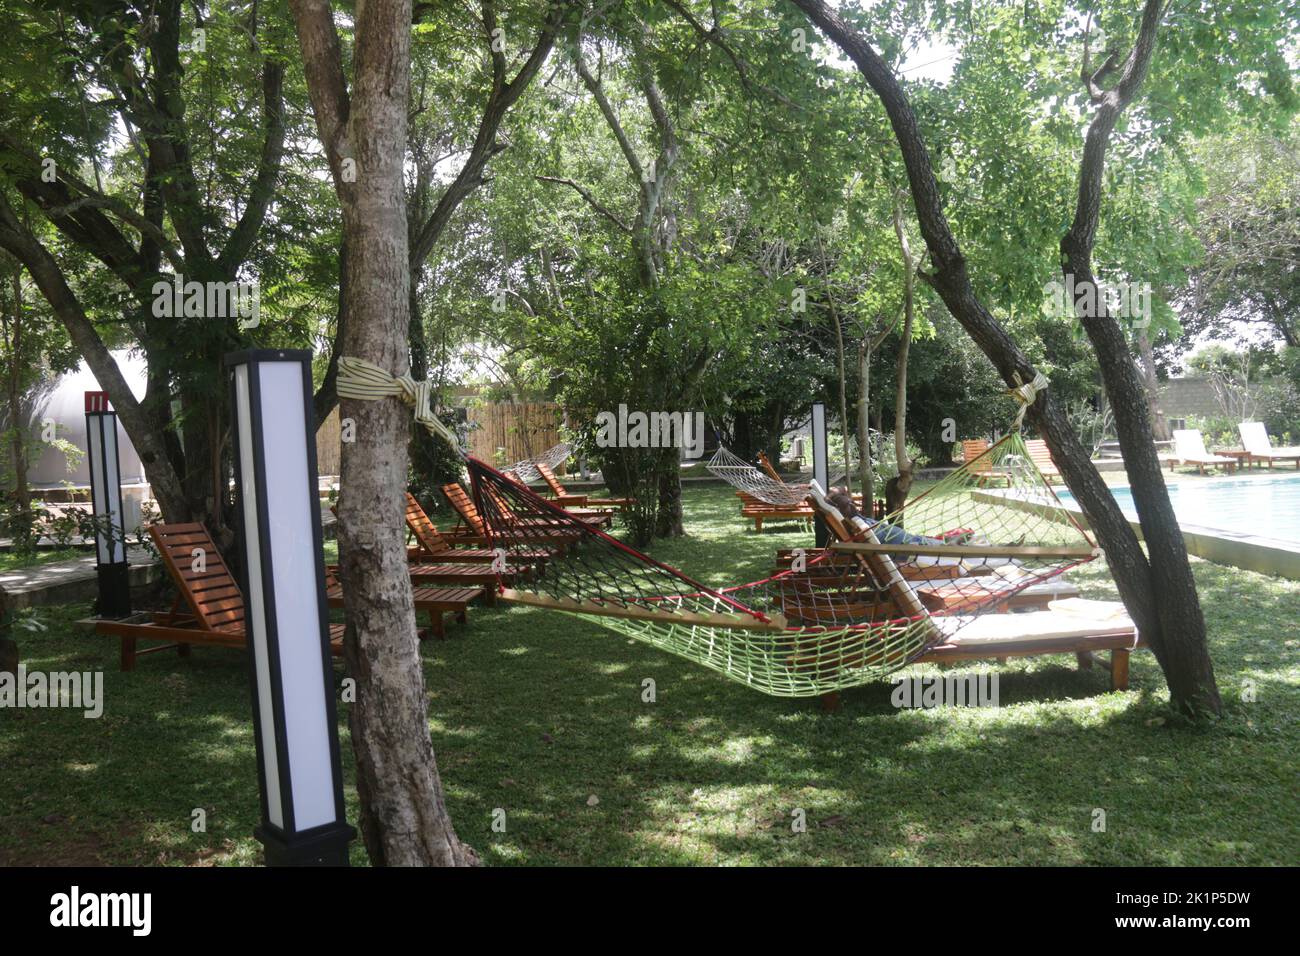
(534, 712)
(11, 560)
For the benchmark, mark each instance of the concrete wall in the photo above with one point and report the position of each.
(1193, 396)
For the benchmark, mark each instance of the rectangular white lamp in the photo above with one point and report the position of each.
(111, 567)
(283, 578)
(821, 467)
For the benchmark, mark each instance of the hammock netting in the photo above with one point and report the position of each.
(745, 477)
(975, 543)
(552, 458)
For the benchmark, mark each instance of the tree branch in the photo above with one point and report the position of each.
(591, 200)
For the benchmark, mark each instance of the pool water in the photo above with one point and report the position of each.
(1268, 507)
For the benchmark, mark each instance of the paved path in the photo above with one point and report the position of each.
(66, 582)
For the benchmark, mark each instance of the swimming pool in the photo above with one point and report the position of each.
(1267, 507)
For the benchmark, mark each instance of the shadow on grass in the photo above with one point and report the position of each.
(535, 713)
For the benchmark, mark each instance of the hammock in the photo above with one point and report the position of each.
(745, 477)
(552, 458)
(834, 619)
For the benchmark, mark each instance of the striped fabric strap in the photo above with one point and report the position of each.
(367, 382)
(1025, 395)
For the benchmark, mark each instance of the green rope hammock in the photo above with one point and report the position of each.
(968, 546)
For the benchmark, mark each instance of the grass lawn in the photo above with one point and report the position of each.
(12, 560)
(534, 712)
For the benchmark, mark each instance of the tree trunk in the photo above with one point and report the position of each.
(22, 494)
(669, 522)
(901, 485)
(1182, 649)
(404, 820)
(1173, 626)
(1159, 426)
(864, 424)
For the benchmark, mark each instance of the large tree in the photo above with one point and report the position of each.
(1159, 592)
(173, 199)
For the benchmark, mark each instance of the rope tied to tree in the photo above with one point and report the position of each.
(367, 382)
(1025, 394)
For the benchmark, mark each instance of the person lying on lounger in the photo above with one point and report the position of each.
(886, 533)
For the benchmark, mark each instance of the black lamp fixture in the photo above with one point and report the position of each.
(283, 577)
(111, 568)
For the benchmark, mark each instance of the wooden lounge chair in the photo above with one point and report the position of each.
(1256, 441)
(433, 601)
(548, 534)
(760, 511)
(562, 497)
(432, 546)
(974, 453)
(1041, 456)
(209, 608)
(1072, 625)
(1189, 449)
(575, 505)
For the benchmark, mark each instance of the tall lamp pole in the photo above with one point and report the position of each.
(111, 568)
(821, 468)
(283, 577)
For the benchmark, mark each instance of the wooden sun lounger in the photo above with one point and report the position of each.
(435, 602)
(562, 497)
(569, 503)
(762, 511)
(1189, 449)
(1041, 456)
(548, 534)
(1068, 626)
(209, 608)
(1256, 441)
(974, 454)
(433, 546)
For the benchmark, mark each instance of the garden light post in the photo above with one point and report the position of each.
(111, 568)
(283, 579)
(821, 468)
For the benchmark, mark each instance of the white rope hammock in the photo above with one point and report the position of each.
(745, 477)
(552, 458)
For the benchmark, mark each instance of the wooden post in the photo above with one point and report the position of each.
(1119, 669)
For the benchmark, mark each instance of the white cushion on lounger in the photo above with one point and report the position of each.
(1067, 619)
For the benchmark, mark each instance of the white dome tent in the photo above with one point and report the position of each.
(64, 401)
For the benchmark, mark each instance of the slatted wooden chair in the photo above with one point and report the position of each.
(433, 546)
(974, 453)
(433, 601)
(1070, 625)
(1042, 458)
(605, 516)
(561, 495)
(548, 534)
(209, 608)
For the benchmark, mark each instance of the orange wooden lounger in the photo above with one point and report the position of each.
(1042, 457)
(562, 497)
(433, 546)
(209, 608)
(433, 601)
(974, 452)
(539, 531)
(1070, 625)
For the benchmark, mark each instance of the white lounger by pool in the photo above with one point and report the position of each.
(1256, 441)
(1189, 448)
